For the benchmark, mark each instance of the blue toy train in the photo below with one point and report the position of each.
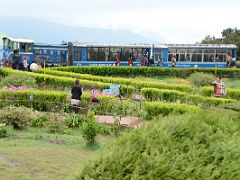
(84, 54)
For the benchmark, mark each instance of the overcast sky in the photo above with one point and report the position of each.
(172, 21)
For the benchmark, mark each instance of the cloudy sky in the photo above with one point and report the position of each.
(172, 21)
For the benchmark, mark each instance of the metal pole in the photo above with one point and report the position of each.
(45, 83)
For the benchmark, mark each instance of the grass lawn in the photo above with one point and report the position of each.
(36, 154)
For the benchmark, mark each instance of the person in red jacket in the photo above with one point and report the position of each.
(130, 62)
(219, 87)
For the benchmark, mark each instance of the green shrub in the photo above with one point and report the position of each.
(90, 129)
(161, 108)
(232, 93)
(55, 126)
(126, 90)
(113, 106)
(235, 106)
(40, 121)
(74, 121)
(200, 79)
(18, 80)
(3, 133)
(199, 145)
(174, 96)
(18, 117)
(37, 99)
(144, 71)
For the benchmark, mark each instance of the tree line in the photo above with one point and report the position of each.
(229, 36)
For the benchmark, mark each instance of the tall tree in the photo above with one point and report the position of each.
(229, 36)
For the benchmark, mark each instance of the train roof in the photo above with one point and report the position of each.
(78, 44)
(20, 40)
(202, 46)
(50, 45)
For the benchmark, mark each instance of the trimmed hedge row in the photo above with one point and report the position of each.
(173, 96)
(56, 82)
(144, 71)
(231, 92)
(156, 108)
(37, 99)
(122, 81)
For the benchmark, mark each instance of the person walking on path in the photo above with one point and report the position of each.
(76, 95)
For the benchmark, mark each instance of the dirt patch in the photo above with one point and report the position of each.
(5, 160)
(123, 121)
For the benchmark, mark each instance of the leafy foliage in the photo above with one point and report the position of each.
(18, 117)
(18, 80)
(182, 97)
(202, 145)
(200, 79)
(3, 133)
(229, 36)
(90, 129)
(74, 121)
(38, 99)
(40, 121)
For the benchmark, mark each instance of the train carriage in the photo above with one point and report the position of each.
(16, 49)
(52, 54)
(195, 55)
(97, 54)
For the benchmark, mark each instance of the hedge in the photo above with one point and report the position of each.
(56, 82)
(123, 81)
(156, 108)
(113, 106)
(37, 99)
(173, 96)
(201, 145)
(145, 71)
(232, 93)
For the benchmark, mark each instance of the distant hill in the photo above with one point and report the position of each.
(43, 31)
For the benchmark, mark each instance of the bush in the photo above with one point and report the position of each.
(3, 133)
(126, 90)
(235, 106)
(40, 121)
(74, 121)
(113, 106)
(199, 145)
(18, 80)
(200, 79)
(90, 129)
(144, 71)
(154, 109)
(37, 99)
(231, 92)
(18, 117)
(174, 96)
(55, 126)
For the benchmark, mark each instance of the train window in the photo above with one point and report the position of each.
(92, 54)
(103, 54)
(51, 52)
(126, 53)
(77, 56)
(114, 53)
(208, 57)
(138, 54)
(196, 55)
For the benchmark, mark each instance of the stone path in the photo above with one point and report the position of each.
(123, 121)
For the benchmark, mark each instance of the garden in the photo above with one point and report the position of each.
(164, 124)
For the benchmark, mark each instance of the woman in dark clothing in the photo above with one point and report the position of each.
(76, 95)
